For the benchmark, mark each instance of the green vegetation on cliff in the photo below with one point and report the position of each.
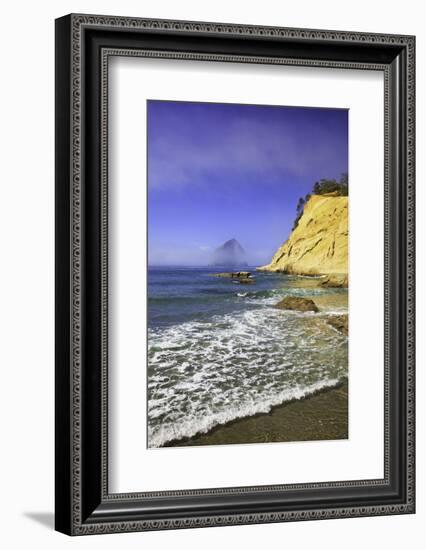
(323, 187)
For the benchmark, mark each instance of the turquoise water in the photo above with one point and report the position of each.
(219, 350)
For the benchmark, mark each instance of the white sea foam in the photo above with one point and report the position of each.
(202, 424)
(202, 374)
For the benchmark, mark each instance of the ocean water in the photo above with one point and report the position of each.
(218, 350)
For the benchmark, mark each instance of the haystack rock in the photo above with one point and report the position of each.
(230, 253)
(319, 243)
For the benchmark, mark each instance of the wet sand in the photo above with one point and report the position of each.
(321, 416)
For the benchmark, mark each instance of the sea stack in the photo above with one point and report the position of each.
(318, 245)
(230, 254)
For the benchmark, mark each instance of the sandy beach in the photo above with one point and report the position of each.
(321, 416)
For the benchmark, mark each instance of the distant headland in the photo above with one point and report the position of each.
(229, 254)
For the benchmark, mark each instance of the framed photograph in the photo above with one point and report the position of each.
(234, 274)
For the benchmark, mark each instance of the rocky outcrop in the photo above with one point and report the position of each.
(340, 323)
(319, 243)
(335, 280)
(243, 277)
(234, 274)
(297, 304)
(230, 253)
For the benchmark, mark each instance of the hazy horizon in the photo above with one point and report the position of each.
(210, 265)
(223, 171)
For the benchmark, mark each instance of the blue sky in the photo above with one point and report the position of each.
(219, 171)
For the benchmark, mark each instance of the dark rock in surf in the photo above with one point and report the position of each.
(340, 323)
(336, 280)
(297, 304)
(243, 277)
(246, 281)
(234, 274)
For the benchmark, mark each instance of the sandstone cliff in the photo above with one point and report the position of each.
(319, 243)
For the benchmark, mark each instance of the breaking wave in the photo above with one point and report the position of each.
(205, 373)
(203, 424)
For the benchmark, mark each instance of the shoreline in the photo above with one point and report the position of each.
(322, 415)
(330, 280)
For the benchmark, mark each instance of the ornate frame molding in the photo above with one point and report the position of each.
(72, 45)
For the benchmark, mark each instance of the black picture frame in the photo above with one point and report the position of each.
(83, 46)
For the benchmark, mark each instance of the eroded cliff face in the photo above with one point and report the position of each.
(319, 244)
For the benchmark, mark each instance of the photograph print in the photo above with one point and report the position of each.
(248, 278)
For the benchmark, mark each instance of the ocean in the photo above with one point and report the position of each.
(219, 350)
